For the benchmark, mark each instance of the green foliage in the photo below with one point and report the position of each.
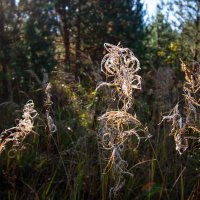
(39, 37)
(66, 37)
(163, 43)
(188, 22)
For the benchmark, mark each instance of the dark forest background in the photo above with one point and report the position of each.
(62, 42)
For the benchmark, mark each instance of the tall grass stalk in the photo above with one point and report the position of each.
(116, 126)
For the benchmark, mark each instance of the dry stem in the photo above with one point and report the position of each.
(120, 67)
(17, 134)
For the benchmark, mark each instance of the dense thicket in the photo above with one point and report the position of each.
(62, 42)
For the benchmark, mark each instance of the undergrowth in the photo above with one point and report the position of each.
(52, 151)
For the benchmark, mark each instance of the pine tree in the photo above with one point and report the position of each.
(8, 35)
(39, 32)
(187, 14)
(162, 42)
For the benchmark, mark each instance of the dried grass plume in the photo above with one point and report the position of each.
(17, 134)
(183, 125)
(116, 126)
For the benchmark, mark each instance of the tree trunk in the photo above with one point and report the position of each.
(63, 10)
(78, 40)
(66, 39)
(4, 58)
(197, 40)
